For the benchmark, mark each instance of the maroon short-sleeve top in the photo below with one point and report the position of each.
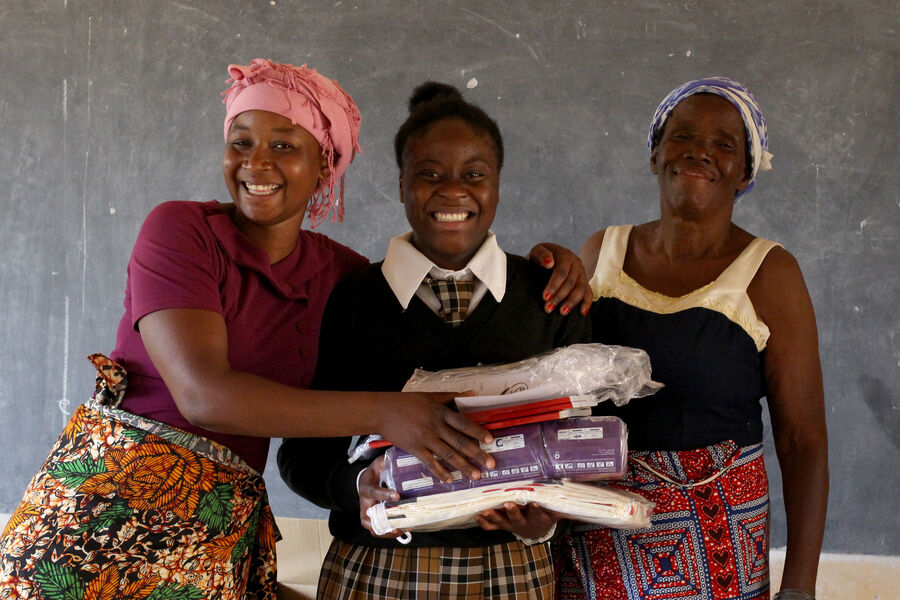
(191, 255)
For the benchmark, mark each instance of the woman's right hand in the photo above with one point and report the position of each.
(425, 426)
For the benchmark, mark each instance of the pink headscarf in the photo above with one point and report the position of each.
(314, 102)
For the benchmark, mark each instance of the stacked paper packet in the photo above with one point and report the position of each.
(616, 509)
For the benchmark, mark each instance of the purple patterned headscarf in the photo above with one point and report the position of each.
(742, 99)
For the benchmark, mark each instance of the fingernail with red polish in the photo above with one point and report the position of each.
(546, 295)
(547, 261)
(565, 310)
(550, 307)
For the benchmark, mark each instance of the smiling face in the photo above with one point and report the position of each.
(271, 167)
(449, 185)
(701, 157)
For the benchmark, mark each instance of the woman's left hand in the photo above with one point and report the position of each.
(371, 493)
(530, 521)
(568, 286)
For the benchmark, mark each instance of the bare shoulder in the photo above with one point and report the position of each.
(777, 269)
(590, 251)
(778, 285)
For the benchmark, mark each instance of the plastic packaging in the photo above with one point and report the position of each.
(606, 506)
(616, 373)
(364, 450)
(585, 373)
(581, 448)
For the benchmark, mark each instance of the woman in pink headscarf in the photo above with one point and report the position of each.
(154, 488)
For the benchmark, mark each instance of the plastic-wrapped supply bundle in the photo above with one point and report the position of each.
(617, 373)
(570, 378)
(604, 506)
(581, 448)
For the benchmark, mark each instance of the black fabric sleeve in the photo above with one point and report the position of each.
(317, 469)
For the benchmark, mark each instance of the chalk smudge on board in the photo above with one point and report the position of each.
(580, 28)
(515, 36)
(87, 154)
(63, 403)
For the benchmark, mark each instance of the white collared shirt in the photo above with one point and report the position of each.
(405, 269)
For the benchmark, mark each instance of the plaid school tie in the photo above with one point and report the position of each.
(454, 295)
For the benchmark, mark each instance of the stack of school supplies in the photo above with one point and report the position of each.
(538, 411)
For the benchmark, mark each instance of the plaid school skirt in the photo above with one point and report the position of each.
(510, 571)
(708, 539)
(126, 507)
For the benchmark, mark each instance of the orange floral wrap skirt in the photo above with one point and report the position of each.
(126, 507)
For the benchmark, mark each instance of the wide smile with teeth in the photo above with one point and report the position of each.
(450, 217)
(261, 189)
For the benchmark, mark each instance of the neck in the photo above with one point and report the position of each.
(454, 264)
(455, 259)
(691, 230)
(278, 241)
(685, 239)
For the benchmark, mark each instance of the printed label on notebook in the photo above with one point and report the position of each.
(501, 444)
(581, 433)
(418, 484)
(408, 461)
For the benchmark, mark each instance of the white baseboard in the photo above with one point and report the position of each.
(848, 576)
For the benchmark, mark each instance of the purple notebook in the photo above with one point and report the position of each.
(580, 448)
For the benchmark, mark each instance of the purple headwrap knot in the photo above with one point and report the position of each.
(742, 99)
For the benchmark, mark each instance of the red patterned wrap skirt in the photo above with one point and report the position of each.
(126, 507)
(709, 538)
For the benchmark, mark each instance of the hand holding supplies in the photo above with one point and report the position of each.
(538, 450)
(565, 382)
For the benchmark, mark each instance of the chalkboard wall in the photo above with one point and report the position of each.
(108, 108)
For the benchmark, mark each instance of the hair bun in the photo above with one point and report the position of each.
(432, 90)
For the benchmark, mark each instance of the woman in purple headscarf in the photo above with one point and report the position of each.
(154, 488)
(726, 319)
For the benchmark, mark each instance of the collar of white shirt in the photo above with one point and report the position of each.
(405, 268)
